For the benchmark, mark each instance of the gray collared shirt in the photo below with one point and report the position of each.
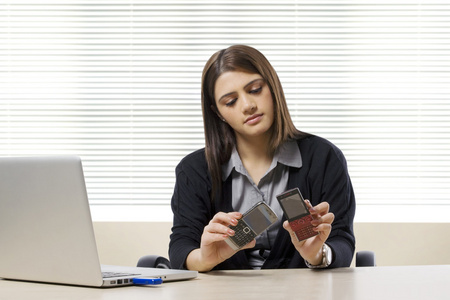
(246, 193)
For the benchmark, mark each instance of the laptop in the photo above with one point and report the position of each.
(46, 231)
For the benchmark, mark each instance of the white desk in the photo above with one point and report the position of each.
(415, 282)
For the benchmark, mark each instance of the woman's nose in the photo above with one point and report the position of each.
(249, 105)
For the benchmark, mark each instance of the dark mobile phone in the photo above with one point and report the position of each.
(297, 213)
(253, 223)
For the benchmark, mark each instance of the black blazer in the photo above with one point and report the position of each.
(323, 176)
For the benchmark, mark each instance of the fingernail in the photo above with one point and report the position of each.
(230, 232)
(234, 221)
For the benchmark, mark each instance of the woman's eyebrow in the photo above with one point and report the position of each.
(253, 81)
(226, 95)
(248, 84)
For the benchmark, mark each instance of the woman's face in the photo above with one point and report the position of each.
(244, 101)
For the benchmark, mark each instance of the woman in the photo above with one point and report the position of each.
(254, 152)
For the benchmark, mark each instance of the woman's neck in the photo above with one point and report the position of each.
(255, 155)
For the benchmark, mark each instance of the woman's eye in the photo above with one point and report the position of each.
(231, 102)
(256, 91)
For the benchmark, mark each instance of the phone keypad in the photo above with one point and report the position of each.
(243, 234)
(303, 228)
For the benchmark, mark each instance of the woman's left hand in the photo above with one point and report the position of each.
(311, 249)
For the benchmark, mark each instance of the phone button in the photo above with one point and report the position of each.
(246, 230)
(298, 222)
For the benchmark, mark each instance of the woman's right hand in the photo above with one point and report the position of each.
(213, 248)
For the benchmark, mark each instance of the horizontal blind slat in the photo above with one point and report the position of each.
(118, 83)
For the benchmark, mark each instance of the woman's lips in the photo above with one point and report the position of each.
(253, 119)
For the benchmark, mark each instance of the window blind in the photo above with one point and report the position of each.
(118, 83)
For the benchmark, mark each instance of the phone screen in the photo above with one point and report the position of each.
(294, 206)
(259, 219)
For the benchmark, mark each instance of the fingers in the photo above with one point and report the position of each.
(321, 213)
(287, 226)
(226, 218)
(322, 220)
(318, 210)
(218, 228)
(325, 219)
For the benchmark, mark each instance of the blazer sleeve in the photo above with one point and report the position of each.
(328, 180)
(191, 207)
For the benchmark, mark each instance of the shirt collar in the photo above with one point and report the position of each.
(287, 154)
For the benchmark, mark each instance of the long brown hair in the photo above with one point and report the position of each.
(219, 136)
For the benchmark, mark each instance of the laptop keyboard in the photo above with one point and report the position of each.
(117, 274)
